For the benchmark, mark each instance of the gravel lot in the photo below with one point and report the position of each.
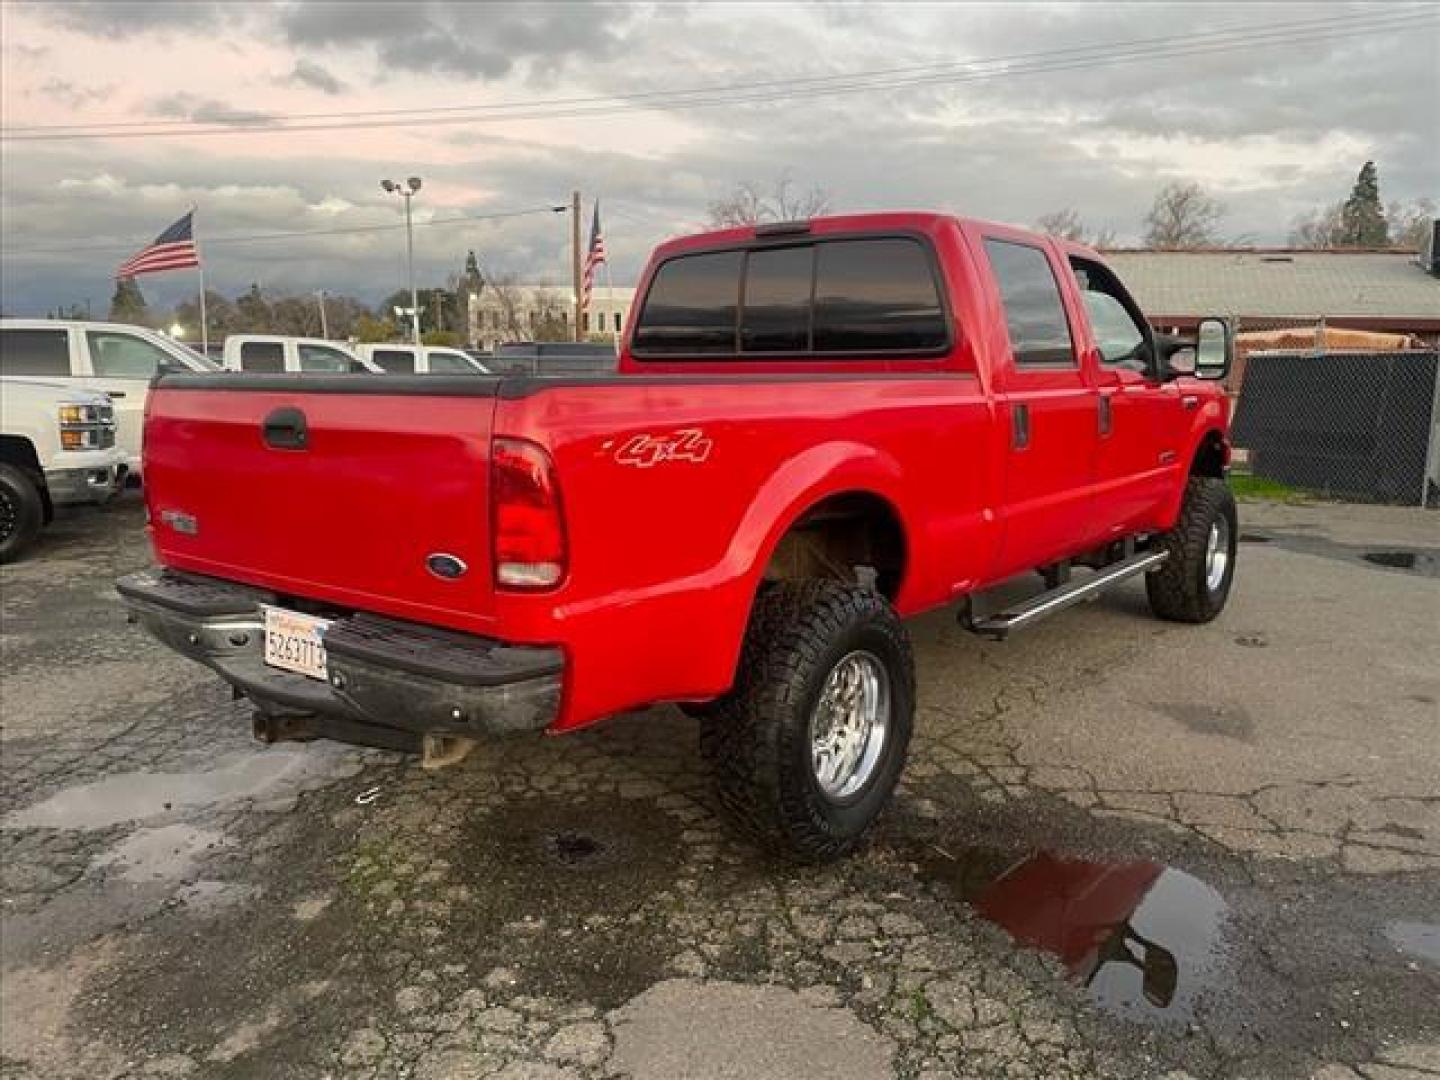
(1239, 824)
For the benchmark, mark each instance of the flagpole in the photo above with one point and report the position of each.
(610, 296)
(200, 266)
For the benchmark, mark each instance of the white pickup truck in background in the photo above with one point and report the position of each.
(274, 354)
(420, 360)
(57, 448)
(115, 358)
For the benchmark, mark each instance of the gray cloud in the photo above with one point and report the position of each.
(127, 18)
(184, 105)
(72, 95)
(469, 40)
(316, 76)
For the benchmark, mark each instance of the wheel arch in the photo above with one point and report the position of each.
(1212, 454)
(19, 452)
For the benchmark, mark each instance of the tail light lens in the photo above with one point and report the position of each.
(527, 533)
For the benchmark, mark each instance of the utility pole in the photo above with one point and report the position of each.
(324, 326)
(575, 255)
(438, 295)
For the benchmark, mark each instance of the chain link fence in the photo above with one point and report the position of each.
(1337, 413)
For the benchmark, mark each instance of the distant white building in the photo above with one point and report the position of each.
(501, 313)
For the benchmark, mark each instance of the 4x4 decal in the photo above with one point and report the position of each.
(646, 451)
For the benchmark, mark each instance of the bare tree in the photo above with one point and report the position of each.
(1184, 215)
(509, 298)
(1068, 225)
(1410, 223)
(751, 203)
(1319, 229)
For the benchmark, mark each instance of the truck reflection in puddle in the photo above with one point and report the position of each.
(1143, 939)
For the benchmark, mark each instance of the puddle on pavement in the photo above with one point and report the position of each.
(1418, 939)
(136, 796)
(1417, 562)
(571, 848)
(1144, 940)
(164, 854)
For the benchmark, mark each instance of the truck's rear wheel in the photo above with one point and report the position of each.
(21, 512)
(809, 745)
(1194, 582)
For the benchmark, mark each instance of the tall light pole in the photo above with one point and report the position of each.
(324, 323)
(407, 192)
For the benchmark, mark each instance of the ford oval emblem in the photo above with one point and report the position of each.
(446, 566)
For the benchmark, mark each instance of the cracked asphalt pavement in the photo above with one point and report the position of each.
(1123, 848)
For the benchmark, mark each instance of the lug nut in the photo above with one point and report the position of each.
(193, 639)
(337, 680)
(457, 714)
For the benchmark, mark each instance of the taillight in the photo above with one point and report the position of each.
(527, 533)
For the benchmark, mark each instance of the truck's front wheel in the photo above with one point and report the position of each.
(21, 512)
(1193, 584)
(809, 745)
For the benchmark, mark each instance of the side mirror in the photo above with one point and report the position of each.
(1214, 349)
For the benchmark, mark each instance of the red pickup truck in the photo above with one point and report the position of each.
(817, 428)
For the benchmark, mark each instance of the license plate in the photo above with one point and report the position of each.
(295, 642)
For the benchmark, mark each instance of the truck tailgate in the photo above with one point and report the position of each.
(334, 488)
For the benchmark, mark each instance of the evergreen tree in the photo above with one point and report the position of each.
(1362, 221)
(128, 304)
(254, 311)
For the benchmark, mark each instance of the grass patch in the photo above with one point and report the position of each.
(1247, 486)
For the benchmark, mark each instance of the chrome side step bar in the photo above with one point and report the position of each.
(1049, 602)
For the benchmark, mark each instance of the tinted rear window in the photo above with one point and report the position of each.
(867, 295)
(876, 295)
(777, 300)
(34, 352)
(691, 305)
(395, 361)
(267, 357)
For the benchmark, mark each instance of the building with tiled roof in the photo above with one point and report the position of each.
(1392, 291)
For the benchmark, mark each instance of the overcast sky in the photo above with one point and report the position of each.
(1272, 126)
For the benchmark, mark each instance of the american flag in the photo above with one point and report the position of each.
(173, 249)
(593, 258)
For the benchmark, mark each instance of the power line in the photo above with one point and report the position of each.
(259, 237)
(1079, 58)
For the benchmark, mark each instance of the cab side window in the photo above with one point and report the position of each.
(1120, 331)
(34, 352)
(267, 357)
(124, 356)
(450, 363)
(1034, 312)
(394, 361)
(322, 358)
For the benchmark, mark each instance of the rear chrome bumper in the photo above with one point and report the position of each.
(391, 683)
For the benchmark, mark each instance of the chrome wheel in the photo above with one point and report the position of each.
(849, 725)
(1217, 554)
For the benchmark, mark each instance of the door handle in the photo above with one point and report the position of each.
(114, 393)
(1106, 416)
(1191, 402)
(285, 429)
(1019, 426)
